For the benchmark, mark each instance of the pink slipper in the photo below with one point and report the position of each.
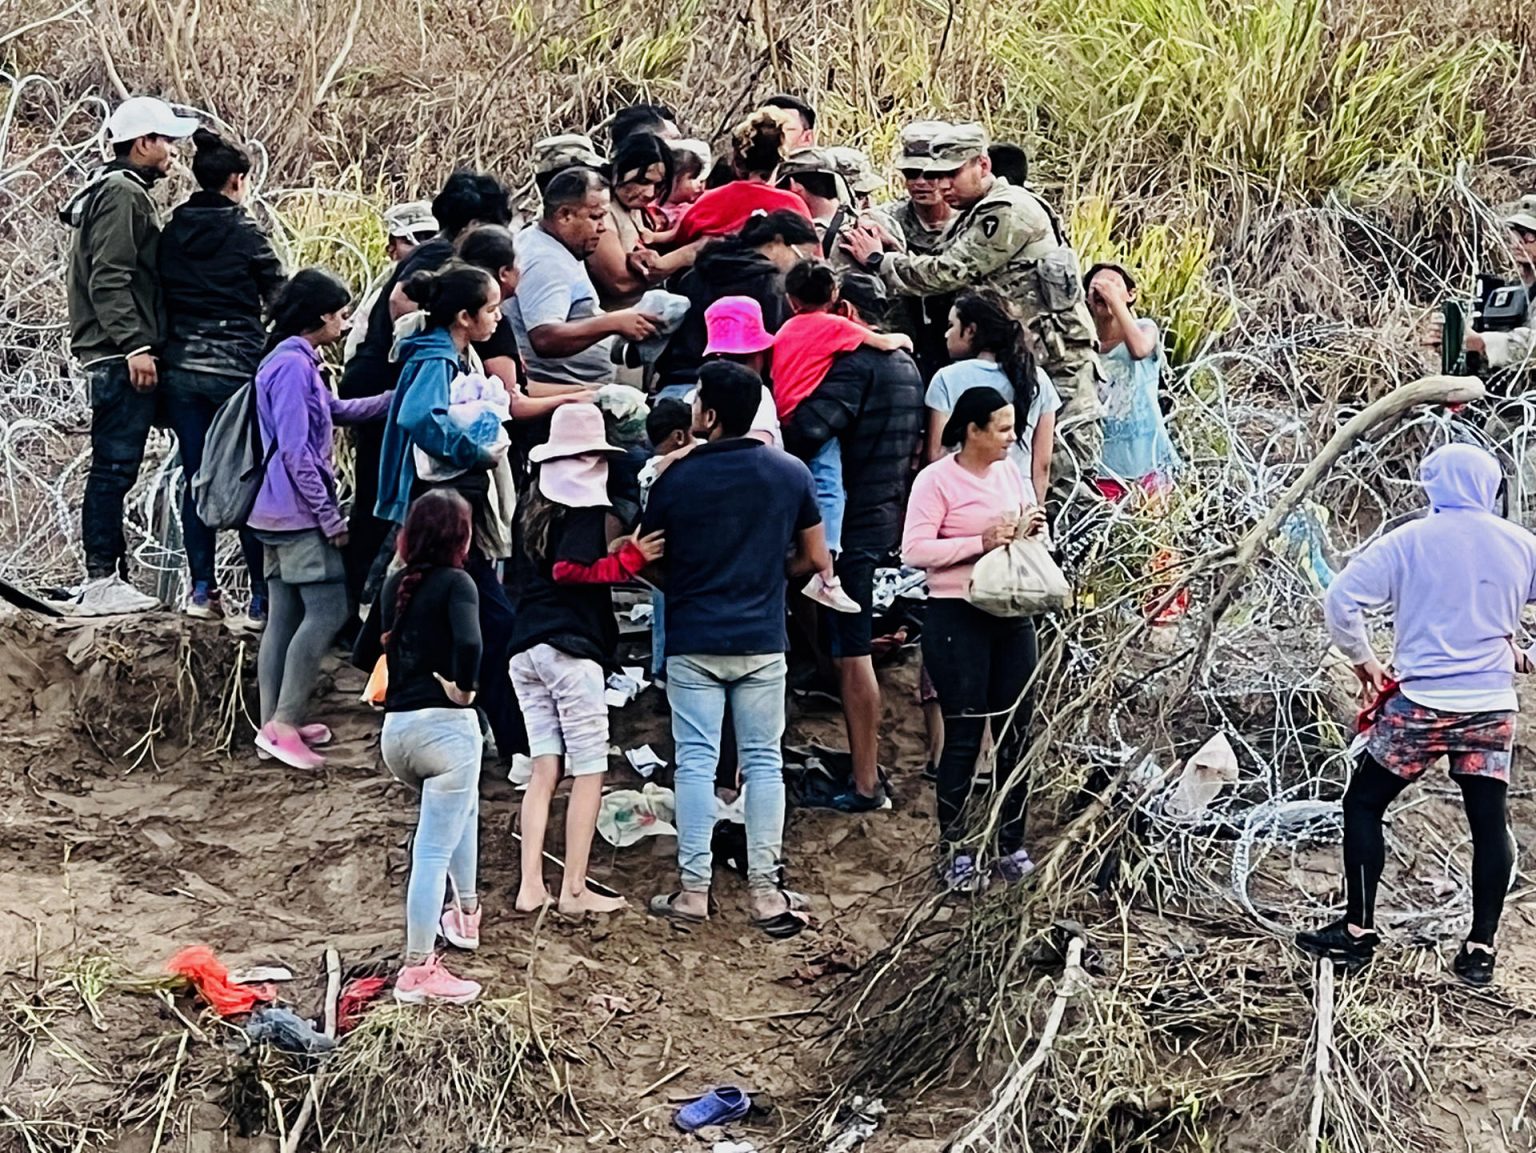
(288, 748)
(315, 736)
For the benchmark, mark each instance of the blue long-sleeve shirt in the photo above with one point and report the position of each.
(430, 362)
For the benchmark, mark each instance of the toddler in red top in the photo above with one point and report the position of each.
(803, 351)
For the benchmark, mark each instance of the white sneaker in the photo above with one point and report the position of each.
(831, 595)
(110, 596)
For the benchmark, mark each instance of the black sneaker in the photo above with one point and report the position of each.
(1474, 966)
(930, 772)
(1337, 943)
(853, 801)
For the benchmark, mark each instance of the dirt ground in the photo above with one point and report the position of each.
(127, 832)
(120, 848)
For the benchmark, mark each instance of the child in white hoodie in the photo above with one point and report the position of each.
(1456, 581)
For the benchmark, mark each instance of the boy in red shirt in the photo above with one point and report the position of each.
(803, 351)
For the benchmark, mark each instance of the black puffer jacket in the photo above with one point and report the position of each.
(722, 269)
(218, 270)
(873, 403)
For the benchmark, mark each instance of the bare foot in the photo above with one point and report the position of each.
(589, 902)
(532, 900)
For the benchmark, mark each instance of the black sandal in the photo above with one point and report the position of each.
(789, 923)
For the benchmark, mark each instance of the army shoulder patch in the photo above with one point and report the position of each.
(989, 226)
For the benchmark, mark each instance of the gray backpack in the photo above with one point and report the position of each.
(234, 463)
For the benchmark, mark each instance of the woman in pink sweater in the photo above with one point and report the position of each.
(962, 506)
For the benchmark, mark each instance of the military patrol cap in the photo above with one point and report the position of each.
(916, 145)
(572, 150)
(957, 146)
(408, 220)
(803, 160)
(1523, 215)
(853, 166)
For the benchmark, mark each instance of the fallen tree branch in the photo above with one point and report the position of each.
(1013, 1094)
(332, 995)
(1426, 390)
(1322, 1059)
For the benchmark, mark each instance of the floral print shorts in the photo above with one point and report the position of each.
(1408, 738)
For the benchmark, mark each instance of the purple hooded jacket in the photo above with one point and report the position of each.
(1455, 580)
(297, 411)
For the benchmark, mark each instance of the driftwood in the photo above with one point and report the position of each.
(332, 996)
(1013, 1094)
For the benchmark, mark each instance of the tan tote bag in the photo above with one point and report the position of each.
(1019, 579)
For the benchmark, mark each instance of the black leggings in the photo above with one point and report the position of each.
(979, 665)
(1371, 789)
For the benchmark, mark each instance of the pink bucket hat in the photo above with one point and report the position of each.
(735, 327)
(574, 430)
(573, 469)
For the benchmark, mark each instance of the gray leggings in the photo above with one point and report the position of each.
(302, 621)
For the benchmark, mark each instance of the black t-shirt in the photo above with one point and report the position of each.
(370, 370)
(440, 633)
(503, 342)
(574, 618)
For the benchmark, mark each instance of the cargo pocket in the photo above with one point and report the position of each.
(1059, 279)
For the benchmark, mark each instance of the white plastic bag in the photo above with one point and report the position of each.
(1019, 579)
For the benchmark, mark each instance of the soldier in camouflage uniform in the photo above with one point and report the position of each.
(1006, 238)
(813, 175)
(1515, 347)
(854, 167)
(922, 218)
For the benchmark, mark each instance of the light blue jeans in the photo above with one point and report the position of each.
(831, 498)
(437, 753)
(697, 688)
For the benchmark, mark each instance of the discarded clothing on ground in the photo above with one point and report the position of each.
(631, 815)
(813, 775)
(210, 977)
(357, 997)
(288, 1031)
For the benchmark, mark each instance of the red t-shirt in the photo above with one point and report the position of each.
(722, 211)
(803, 351)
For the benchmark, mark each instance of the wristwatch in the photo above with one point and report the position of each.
(874, 261)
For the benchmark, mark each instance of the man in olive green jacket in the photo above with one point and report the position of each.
(116, 323)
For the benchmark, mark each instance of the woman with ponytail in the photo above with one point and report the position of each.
(990, 348)
(297, 516)
(460, 304)
(431, 740)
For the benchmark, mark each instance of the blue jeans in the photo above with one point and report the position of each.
(191, 400)
(121, 417)
(437, 753)
(697, 689)
(827, 471)
(658, 632)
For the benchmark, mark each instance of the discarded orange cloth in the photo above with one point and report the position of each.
(208, 975)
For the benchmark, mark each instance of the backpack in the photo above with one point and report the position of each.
(234, 462)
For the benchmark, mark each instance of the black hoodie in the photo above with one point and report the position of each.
(218, 270)
(722, 269)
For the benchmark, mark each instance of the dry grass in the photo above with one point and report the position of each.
(1295, 182)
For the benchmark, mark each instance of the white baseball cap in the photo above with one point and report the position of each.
(147, 116)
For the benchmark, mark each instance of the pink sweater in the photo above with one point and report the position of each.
(948, 511)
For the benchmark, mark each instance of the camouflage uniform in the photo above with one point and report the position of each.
(1516, 347)
(821, 160)
(1011, 242)
(924, 318)
(573, 150)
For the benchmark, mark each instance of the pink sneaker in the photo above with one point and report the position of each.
(429, 982)
(460, 928)
(288, 747)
